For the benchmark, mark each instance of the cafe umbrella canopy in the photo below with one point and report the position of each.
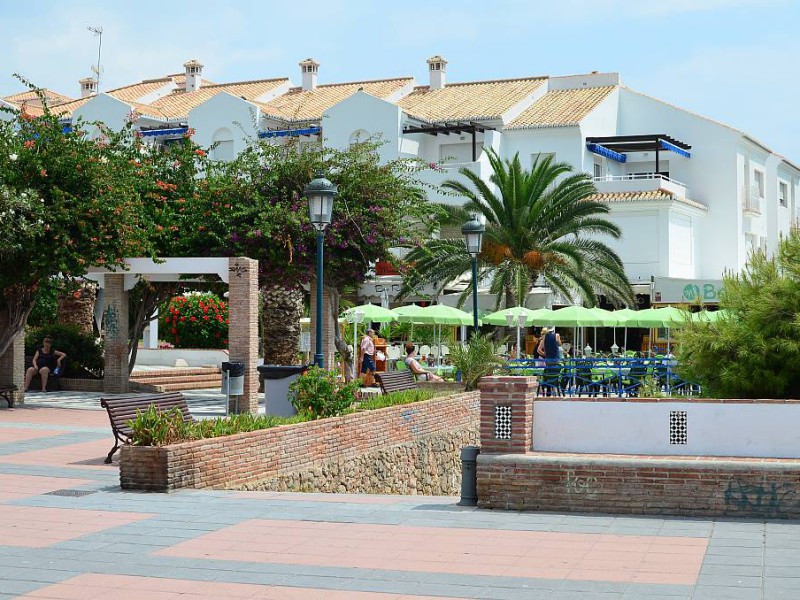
(372, 313)
(539, 316)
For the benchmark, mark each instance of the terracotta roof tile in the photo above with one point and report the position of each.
(652, 195)
(178, 104)
(465, 101)
(561, 108)
(135, 91)
(30, 102)
(308, 105)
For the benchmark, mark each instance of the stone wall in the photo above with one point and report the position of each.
(430, 465)
(287, 452)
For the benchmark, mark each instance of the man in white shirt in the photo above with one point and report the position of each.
(368, 362)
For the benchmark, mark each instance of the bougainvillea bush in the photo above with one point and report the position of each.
(195, 320)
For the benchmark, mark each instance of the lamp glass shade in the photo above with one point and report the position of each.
(473, 235)
(510, 319)
(522, 319)
(320, 193)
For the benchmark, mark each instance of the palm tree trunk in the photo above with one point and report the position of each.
(282, 309)
(338, 342)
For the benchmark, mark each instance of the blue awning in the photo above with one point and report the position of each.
(608, 153)
(163, 132)
(289, 132)
(675, 149)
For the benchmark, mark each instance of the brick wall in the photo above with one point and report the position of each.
(12, 365)
(244, 458)
(115, 323)
(243, 328)
(622, 484)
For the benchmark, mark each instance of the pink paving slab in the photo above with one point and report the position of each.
(344, 498)
(622, 558)
(56, 416)
(85, 454)
(124, 587)
(17, 434)
(14, 487)
(38, 527)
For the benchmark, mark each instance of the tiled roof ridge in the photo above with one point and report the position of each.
(234, 83)
(299, 88)
(482, 81)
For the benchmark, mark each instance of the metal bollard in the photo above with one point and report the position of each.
(469, 480)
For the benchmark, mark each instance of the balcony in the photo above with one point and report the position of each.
(751, 200)
(639, 182)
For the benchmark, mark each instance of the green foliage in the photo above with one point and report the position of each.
(84, 351)
(753, 351)
(475, 360)
(649, 388)
(423, 335)
(195, 320)
(45, 311)
(397, 398)
(155, 428)
(539, 225)
(318, 393)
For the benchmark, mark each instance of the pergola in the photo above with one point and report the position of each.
(615, 146)
(446, 128)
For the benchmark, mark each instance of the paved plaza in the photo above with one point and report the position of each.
(68, 531)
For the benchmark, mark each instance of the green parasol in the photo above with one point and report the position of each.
(372, 313)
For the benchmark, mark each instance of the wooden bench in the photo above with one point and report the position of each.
(396, 381)
(53, 381)
(122, 409)
(7, 392)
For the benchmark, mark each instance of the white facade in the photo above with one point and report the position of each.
(694, 219)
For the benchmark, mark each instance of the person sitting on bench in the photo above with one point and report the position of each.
(414, 366)
(45, 361)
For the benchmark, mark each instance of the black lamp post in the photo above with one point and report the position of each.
(320, 193)
(473, 235)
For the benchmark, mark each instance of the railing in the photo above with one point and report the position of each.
(600, 377)
(751, 200)
(637, 177)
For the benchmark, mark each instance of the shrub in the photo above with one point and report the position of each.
(397, 398)
(319, 394)
(753, 351)
(156, 428)
(195, 320)
(84, 351)
(475, 360)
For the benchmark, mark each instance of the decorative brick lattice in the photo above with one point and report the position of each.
(502, 422)
(678, 429)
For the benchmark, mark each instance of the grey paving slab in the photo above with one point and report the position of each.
(645, 590)
(726, 593)
(738, 581)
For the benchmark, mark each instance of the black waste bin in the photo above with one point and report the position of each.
(233, 378)
(277, 379)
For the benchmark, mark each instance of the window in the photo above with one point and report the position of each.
(783, 193)
(541, 156)
(758, 183)
(598, 169)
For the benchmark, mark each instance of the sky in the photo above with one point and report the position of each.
(731, 60)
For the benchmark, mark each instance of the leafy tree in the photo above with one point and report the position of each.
(753, 351)
(254, 207)
(73, 201)
(538, 224)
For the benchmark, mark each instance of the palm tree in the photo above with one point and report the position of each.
(539, 223)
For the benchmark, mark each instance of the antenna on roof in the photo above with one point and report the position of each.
(98, 33)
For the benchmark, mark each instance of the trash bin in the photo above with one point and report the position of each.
(233, 378)
(277, 379)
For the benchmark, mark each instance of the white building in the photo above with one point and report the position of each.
(692, 196)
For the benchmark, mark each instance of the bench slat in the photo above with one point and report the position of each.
(397, 381)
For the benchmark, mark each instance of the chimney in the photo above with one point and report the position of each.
(88, 87)
(438, 71)
(309, 68)
(194, 73)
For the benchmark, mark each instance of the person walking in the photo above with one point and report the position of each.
(367, 348)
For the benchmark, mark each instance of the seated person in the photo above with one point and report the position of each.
(430, 360)
(45, 361)
(415, 368)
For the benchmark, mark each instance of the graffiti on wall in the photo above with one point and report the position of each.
(768, 499)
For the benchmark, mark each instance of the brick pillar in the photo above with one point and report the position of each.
(115, 323)
(12, 366)
(328, 334)
(243, 328)
(507, 414)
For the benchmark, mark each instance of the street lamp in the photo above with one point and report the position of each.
(473, 235)
(520, 320)
(319, 193)
(355, 317)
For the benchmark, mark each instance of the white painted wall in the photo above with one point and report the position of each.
(757, 430)
(104, 108)
(225, 111)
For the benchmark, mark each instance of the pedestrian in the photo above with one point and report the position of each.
(368, 361)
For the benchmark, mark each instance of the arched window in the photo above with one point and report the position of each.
(223, 144)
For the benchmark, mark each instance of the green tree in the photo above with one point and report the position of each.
(539, 223)
(753, 351)
(76, 206)
(253, 206)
